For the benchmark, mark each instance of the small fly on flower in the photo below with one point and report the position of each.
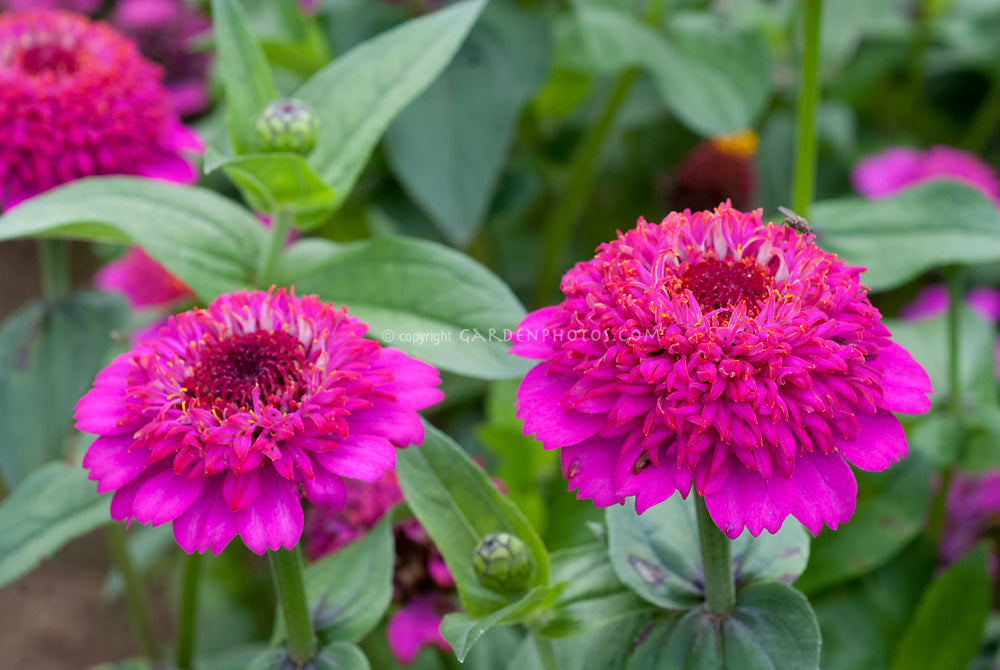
(795, 222)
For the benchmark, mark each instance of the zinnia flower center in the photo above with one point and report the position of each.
(721, 284)
(231, 371)
(49, 58)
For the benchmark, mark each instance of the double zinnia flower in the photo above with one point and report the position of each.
(716, 352)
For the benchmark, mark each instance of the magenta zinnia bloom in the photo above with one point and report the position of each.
(423, 586)
(898, 168)
(78, 101)
(233, 412)
(81, 6)
(715, 169)
(714, 350)
(167, 32)
(142, 280)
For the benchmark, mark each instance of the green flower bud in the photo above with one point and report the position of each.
(503, 563)
(287, 125)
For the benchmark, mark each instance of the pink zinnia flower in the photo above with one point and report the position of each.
(973, 508)
(233, 412)
(716, 169)
(714, 350)
(423, 586)
(167, 32)
(898, 168)
(78, 101)
(141, 279)
(80, 6)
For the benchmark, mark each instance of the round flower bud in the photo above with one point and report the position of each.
(287, 125)
(503, 563)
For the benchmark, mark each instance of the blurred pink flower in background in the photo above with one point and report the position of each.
(423, 586)
(972, 509)
(142, 280)
(897, 168)
(167, 32)
(81, 101)
(79, 6)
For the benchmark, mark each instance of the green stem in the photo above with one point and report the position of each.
(281, 223)
(804, 180)
(286, 566)
(135, 594)
(188, 612)
(558, 227)
(720, 591)
(546, 653)
(53, 261)
(984, 124)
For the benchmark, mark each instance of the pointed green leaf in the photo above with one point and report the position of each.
(206, 240)
(359, 94)
(244, 71)
(462, 631)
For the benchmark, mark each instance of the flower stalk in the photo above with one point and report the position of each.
(281, 223)
(286, 567)
(720, 591)
(188, 612)
(53, 260)
(804, 179)
(135, 594)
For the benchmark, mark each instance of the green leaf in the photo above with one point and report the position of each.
(714, 79)
(275, 181)
(462, 631)
(606, 648)
(53, 505)
(206, 240)
(424, 298)
(948, 624)
(898, 238)
(334, 656)
(244, 71)
(359, 94)
(449, 145)
(50, 354)
(657, 553)
(459, 505)
(890, 512)
(771, 627)
(593, 595)
(350, 590)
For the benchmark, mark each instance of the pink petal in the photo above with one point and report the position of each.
(102, 410)
(587, 467)
(880, 443)
(930, 301)
(415, 382)
(111, 464)
(414, 626)
(165, 496)
(365, 457)
(651, 485)
(533, 338)
(172, 168)
(208, 523)
(274, 519)
(325, 490)
(240, 490)
(538, 406)
(905, 382)
(398, 424)
(986, 301)
(183, 138)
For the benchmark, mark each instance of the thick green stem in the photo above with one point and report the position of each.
(281, 223)
(135, 594)
(720, 591)
(286, 566)
(53, 261)
(804, 180)
(188, 612)
(546, 653)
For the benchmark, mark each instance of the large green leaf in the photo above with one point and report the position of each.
(713, 78)
(53, 505)
(338, 655)
(208, 241)
(49, 354)
(890, 512)
(424, 298)
(359, 94)
(898, 238)
(244, 71)
(592, 597)
(657, 553)
(350, 590)
(606, 648)
(948, 625)
(771, 627)
(449, 145)
(462, 631)
(459, 505)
